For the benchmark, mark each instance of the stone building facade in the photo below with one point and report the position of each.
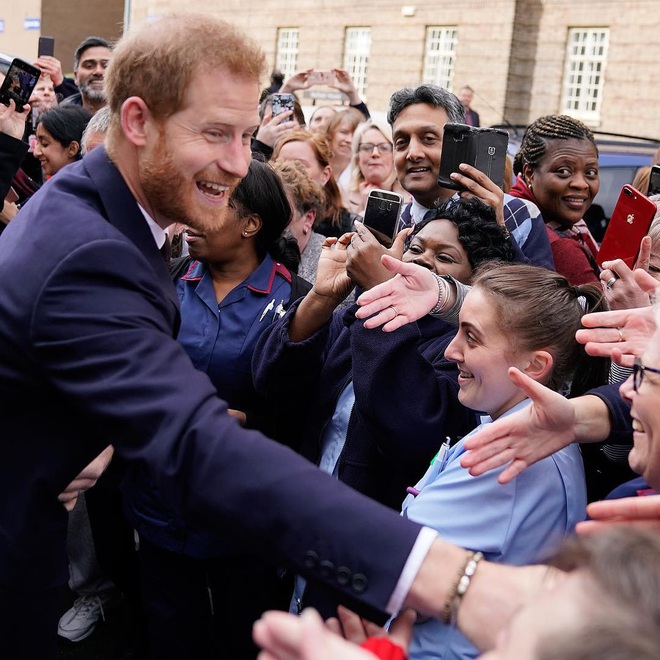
(596, 59)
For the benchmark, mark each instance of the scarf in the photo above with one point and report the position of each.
(579, 231)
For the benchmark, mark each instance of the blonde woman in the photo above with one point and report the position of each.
(372, 164)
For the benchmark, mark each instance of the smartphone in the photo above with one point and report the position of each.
(46, 46)
(654, 181)
(19, 83)
(630, 222)
(12, 195)
(483, 148)
(282, 103)
(381, 214)
(321, 77)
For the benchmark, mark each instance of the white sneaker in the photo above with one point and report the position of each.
(80, 621)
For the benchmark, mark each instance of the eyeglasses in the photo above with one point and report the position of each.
(638, 373)
(368, 147)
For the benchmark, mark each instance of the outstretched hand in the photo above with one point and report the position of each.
(409, 296)
(525, 437)
(283, 636)
(621, 335)
(641, 512)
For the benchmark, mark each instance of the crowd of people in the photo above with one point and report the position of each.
(240, 400)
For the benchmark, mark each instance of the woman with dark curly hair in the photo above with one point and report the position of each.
(557, 168)
(370, 407)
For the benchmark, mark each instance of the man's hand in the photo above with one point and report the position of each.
(273, 128)
(477, 184)
(12, 122)
(86, 479)
(51, 66)
(364, 264)
(409, 296)
(621, 335)
(638, 511)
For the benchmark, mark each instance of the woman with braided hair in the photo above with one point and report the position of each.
(557, 169)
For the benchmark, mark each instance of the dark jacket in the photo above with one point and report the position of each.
(88, 358)
(406, 396)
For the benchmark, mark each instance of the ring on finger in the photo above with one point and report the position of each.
(610, 283)
(393, 308)
(621, 337)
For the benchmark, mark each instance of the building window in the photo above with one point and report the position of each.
(357, 48)
(586, 56)
(439, 56)
(287, 51)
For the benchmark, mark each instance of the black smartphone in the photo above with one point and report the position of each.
(381, 214)
(282, 103)
(483, 148)
(19, 83)
(654, 181)
(46, 46)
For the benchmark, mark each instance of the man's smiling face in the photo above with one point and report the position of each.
(417, 133)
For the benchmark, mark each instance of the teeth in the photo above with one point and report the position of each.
(637, 426)
(207, 186)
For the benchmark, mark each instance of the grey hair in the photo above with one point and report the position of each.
(438, 97)
(99, 123)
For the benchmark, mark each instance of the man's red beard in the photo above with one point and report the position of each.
(173, 196)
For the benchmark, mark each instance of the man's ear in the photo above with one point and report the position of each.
(136, 120)
(539, 366)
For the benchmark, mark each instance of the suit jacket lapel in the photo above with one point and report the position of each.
(123, 212)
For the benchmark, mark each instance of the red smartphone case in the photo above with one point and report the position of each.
(630, 222)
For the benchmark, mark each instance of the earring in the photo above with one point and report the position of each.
(245, 233)
(305, 231)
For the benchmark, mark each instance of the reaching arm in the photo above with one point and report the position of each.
(549, 424)
(638, 511)
(409, 296)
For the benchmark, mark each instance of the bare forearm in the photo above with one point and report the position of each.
(312, 314)
(592, 419)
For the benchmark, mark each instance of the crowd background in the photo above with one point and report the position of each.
(268, 312)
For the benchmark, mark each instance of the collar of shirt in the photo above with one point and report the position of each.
(417, 211)
(159, 234)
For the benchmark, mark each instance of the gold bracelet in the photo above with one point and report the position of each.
(445, 615)
(463, 583)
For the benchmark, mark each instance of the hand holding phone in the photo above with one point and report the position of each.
(381, 214)
(321, 77)
(46, 47)
(18, 85)
(483, 148)
(630, 222)
(282, 103)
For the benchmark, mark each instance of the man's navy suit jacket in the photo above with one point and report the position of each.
(87, 359)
